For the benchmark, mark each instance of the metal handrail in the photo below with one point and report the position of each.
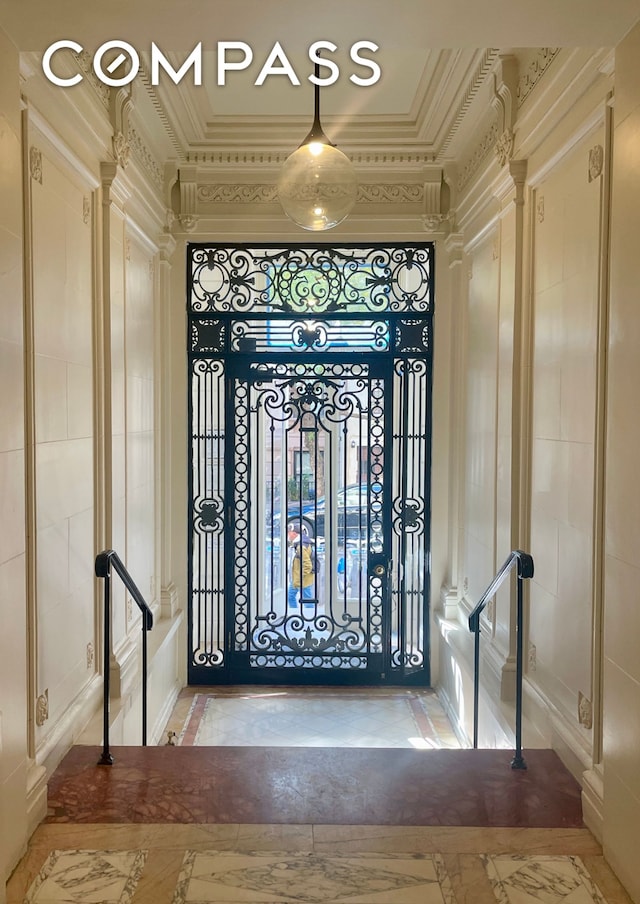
(524, 563)
(105, 561)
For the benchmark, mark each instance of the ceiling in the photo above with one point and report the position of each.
(436, 58)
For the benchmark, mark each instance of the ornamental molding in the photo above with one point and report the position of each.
(145, 157)
(478, 78)
(145, 78)
(535, 71)
(84, 61)
(435, 222)
(596, 162)
(226, 159)
(86, 210)
(237, 193)
(505, 78)
(188, 222)
(121, 149)
(392, 193)
(42, 708)
(481, 150)
(585, 711)
(504, 147)
(35, 164)
(263, 193)
(91, 656)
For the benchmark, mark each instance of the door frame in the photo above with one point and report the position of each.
(407, 308)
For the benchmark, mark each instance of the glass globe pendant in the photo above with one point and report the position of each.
(317, 186)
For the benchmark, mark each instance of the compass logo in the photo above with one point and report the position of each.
(116, 63)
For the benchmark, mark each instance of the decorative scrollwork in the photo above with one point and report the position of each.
(300, 634)
(208, 336)
(316, 280)
(208, 515)
(408, 515)
(305, 336)
(413, 337)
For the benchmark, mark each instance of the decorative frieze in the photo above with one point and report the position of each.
(535, 71)
(35, 164)
(145, 157)
(391, 193)
(237, 193)
(262, 193)
(481, 150)
(85, 62)
(475, 83)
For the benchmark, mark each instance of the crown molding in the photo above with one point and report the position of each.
(534, 72)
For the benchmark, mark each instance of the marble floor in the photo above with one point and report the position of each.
(314, 798)
(310, 717)
(309, 864)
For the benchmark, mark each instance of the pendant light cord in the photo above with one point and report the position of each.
(317, 132)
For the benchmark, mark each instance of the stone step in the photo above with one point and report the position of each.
(314, 785)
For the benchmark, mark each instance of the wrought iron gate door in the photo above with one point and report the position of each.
(310, 410)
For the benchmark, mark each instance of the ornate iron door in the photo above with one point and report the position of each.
(310, 464)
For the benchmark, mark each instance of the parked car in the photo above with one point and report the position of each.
(352, 506)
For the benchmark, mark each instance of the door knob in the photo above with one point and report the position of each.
(379, 570)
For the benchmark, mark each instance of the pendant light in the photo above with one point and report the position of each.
(317, 186)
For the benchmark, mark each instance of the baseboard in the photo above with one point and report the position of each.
(452, 715)
(593, 801)
(70, 726)
(156, 734)
(36, 797)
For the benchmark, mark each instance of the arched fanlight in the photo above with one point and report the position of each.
(317, 186)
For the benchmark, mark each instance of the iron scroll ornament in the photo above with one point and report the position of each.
(320, 280)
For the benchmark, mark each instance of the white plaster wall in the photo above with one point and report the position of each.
(117, 375)
(557, 362)
(480, 427)
(566, 242)
(139, 358)
(63, 399)
(622, 574)
(506, 250)
(13, 668)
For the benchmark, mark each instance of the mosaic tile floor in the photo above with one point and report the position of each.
(310, 717)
